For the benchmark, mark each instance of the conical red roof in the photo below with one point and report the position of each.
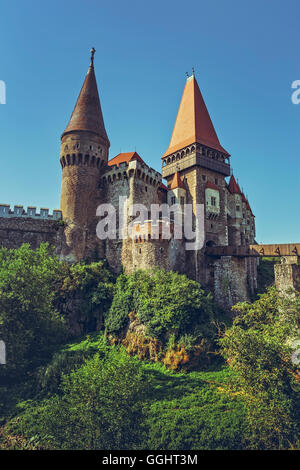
(193, 123)
(87, 114)
(244, 198)
(233, 186)
(248, 207)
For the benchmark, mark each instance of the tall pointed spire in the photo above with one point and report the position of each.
(193, 123)
(87, 114)
(233, 186)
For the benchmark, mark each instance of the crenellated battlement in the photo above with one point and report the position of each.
(132, 169)
(31, 212)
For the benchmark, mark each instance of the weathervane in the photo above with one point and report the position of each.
(93, 50)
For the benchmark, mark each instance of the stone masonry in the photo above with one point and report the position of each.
(195, 168)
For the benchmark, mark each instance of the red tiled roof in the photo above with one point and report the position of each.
(87, 114)
(211, 186)
(193, 123)
(233, 186)
(176, 182)
(163, 186)
(125, 157)
(245, 200)
(249, 208)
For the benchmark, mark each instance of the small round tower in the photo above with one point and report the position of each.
(84, 151)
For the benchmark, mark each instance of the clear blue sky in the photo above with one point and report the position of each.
(245, 54)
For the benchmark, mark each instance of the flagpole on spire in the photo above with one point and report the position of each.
(93, 50)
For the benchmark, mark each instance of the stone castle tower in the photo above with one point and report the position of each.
(195, 167)
(84, 153)
(196, 153)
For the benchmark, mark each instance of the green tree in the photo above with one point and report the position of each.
(100, 407)
(88, 289)
(166, 302)
(257, 349)
(29, 324)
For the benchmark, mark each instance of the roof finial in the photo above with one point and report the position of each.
(93, 50)
(193, 70)
(187, 74)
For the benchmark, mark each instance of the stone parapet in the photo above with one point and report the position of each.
(31, 212)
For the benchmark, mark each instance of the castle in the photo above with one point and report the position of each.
(195, 167)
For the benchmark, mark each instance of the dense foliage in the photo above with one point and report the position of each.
(258, 348)
(63, 392)
(127, 403)
(99, 407)
(178, 314)
(85, 293)
(30, 326)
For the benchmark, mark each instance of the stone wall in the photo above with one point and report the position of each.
(287, 274)
(17, 230)
(136, 183)
(230, 281)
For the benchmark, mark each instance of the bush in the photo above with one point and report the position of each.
(166, 302)
(84, 294)
(30, 325)
(69, 358)
(177, 318)
(257, 349)
(117, 317)
(100, 407)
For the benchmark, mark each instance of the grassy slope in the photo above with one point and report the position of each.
(185, 410)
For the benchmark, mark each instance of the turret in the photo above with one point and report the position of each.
(84, 152)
